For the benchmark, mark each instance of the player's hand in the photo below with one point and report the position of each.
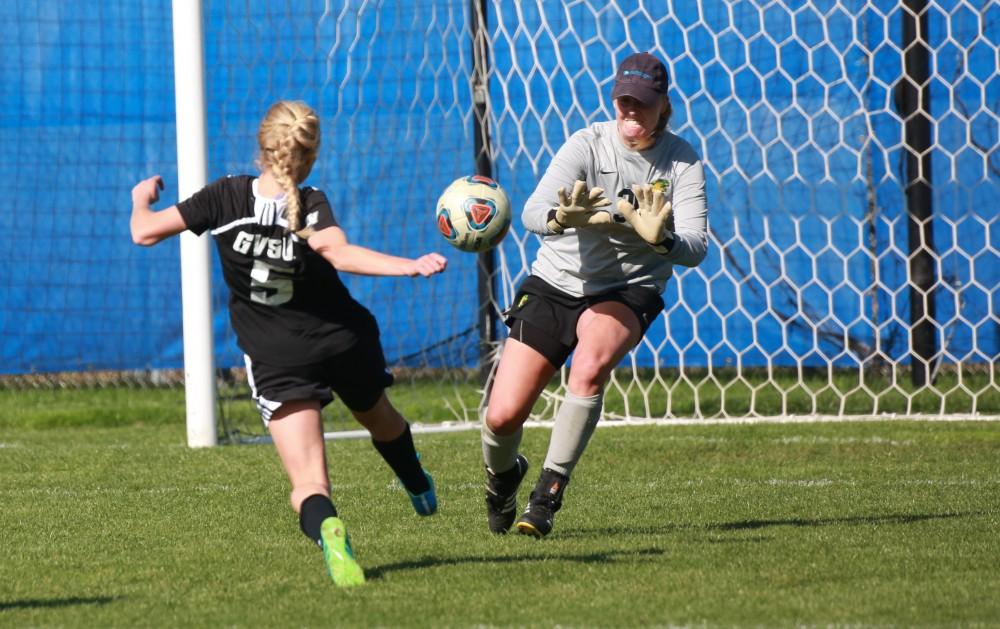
(427, 265)
(649, 219)
(147, 192)
(578, 208)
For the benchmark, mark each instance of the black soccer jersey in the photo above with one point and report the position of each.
(287, 304)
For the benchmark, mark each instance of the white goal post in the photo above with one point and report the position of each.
(196, 268)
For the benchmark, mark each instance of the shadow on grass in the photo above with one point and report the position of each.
(860, 519)
(378, 572)
(749, 525)
(73, 601)
(572, 532)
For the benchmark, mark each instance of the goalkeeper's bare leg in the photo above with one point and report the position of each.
(606, 332)
(521, 376)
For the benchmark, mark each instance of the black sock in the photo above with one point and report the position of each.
(402, 458)
(313, 511)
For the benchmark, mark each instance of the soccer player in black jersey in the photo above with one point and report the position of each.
(303, 336)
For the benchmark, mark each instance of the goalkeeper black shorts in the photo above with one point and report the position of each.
(544, 317)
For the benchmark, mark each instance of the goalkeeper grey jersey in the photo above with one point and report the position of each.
(598, 258)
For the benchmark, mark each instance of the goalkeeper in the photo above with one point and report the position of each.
(303, 336)
(595, 284)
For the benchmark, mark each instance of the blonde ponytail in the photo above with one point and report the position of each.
(289, 142)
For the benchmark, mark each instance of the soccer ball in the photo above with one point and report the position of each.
(473, 213)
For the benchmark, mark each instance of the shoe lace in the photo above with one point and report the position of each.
(543, 501)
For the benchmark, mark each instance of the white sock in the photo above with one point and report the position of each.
(575, 422)
(500, 451)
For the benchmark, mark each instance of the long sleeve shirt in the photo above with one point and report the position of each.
(598, 258)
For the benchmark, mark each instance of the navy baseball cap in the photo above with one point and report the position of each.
(641, 76)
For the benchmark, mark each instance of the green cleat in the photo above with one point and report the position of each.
(340, 563)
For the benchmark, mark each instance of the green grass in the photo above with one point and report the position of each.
(92, 407)
(866, 523)
(455, 396)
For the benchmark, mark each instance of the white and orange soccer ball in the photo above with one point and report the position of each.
(473, 213)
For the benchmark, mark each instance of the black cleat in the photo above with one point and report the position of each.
(501, 495)
(544, 502)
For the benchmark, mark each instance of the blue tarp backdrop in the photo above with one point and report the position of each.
(792, 112)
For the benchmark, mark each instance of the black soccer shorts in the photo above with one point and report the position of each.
(544, 317)
(358, 376)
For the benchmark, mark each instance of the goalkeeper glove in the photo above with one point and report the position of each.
(649, 216)
(578, 208)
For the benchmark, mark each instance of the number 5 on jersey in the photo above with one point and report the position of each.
(269, 284)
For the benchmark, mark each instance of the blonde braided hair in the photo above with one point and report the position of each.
(289, 142)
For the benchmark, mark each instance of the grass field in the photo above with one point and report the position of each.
(108, 519)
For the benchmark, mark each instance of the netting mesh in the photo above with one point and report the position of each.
(807, 297)
(815, 295)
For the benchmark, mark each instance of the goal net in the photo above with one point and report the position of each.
(853, 269)
(815, 297)
(849, 148)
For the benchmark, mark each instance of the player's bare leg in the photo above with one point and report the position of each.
(606, 332)
(297, 431)
(521, 375)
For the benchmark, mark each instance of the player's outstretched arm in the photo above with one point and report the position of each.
(332, 244)
(149, 227)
